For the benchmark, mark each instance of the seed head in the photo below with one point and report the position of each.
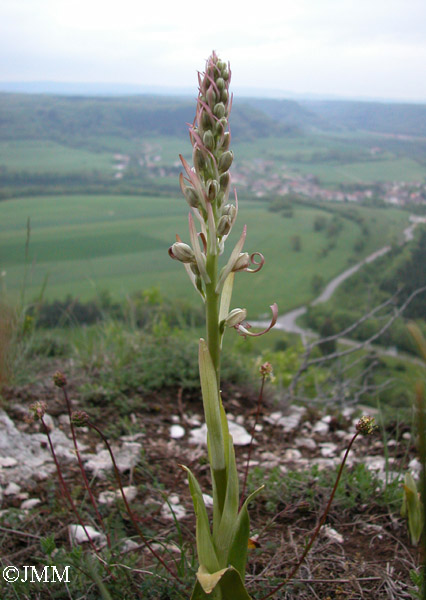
(366, 425)
(79, 418)
(37, 410)
(59, 379)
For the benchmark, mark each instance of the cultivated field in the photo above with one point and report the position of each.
(86, 244)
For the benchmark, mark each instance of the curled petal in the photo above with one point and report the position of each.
(259, 264)
(244, 331)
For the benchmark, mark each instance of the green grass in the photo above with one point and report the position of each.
(42, 156)
(83, 244)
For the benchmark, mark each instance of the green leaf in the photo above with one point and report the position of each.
(211, 402)
(412, 508)
(237, 556)
(223, 535)
(230, 584)
(205, 547)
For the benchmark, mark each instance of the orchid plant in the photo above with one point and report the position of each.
(222, 548)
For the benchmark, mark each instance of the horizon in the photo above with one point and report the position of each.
(121, 89)
(335, 49)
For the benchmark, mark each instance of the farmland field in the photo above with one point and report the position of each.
(86, 244)
(44, 156)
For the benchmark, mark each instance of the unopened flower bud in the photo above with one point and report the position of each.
(224, 181)
(208, 140)
(220, 82)
(182, 252)
(219, 110)
(230, 210)
(224, 96)
(221, 65)
(198, 160)
(206, 121)
(212, 190)
(191, 197)
(79, 418)
(226, 140)
(225, 161)
(224, 225)
(235, 317)
(220, 126)
(59, 379)
(366, 425)
(225, 73)
(242, 262)
(211, 97)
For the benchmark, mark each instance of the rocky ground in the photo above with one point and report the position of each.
(363, 551)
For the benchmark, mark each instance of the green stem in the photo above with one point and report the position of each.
(212, 314)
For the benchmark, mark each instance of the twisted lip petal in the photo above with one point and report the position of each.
(259, 264)
(241, 329)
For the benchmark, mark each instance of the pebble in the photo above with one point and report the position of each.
(77, 534)
(305, 442)
(321, 427)
(7, 462)
(109, 497)
(30, 503)
(240, 436)
(12, 489)
(177, 432)
(179, 511)
(328, 449)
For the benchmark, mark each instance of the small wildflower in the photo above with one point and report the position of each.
(182, 252)
(79, 418)
(366, 425)
(59, 379)
(266, 370)
(38, 410)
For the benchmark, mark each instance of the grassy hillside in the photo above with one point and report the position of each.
(88, 244)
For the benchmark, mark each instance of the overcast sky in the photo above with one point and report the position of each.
(349, 48)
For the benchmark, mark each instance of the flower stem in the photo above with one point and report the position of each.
(318, 527)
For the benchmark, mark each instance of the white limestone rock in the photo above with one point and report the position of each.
(240, 435)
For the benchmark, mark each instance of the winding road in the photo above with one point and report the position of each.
(288, 321)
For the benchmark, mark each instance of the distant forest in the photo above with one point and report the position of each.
(74, 119)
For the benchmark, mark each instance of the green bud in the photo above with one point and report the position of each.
(198, 160)
(226, 140)
(221, 65)
(206, 121)
(220, 126)
(208, 140)
(211, 96)
(224, 225)
(220, 84)
(219, 110)
(225, 161)
(235, 317)
(191, 197)
(224, 96)
(212, 190)
(224, 181)
(230, 210)
(225, 73)
(182, 252)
